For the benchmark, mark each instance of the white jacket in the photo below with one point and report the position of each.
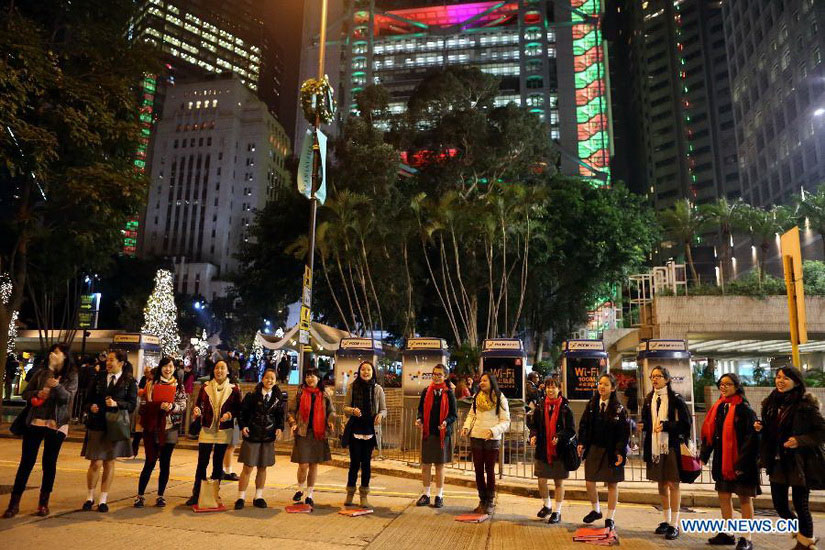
(478, 421)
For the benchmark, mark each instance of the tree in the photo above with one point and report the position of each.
(812, 209)
(161, 314)
(725, 216)
(684, 223)
(69, 134)
(764, 226)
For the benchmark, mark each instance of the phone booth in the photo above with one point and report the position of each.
(582, 363)
(506, 359)
(351, 352)
(675, 357)
(142, 350)
(419, 357)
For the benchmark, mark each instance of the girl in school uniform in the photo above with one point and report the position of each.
(436, 415)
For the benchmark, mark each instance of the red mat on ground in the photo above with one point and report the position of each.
(299, 509)
(472, 518)
(355, 512)
(198, 510)
(599, 536)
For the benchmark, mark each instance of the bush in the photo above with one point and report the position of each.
(466, 358)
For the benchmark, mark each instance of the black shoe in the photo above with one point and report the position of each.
(140, 502)
(297, 496)
(555, 517)
(239, 504)
(87, 506)
(722, 539)
(259, 503)
(543, 512)
(744, 544)
(309, 502)
(191, 501)
(160, 502)
(231, 477)
(672, 533)
(423, 500)
(439, 502)
(662, 529)
(609, 524)
(103, 507)
(592, 516)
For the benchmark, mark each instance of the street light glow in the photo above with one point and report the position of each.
(819, 112)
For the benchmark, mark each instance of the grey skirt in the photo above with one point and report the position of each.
(598, 466)
(308, 450)
(257, 455)
(433, 453)
(666, 469)
(236, 436)
(97, 447)
(556, 470)
(171, 436)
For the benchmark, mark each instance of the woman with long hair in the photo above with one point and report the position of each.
(728, 434)
(551, 425)
(604, 431)
(49, 395)
(162, 408)
(436, 415)
(792, 435)
(666, 423)
(366, 407)
(112, 391)
(488, 419)
(218, 404)
(311, 421)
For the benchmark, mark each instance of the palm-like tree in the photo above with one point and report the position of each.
(763, 226)
(684, 223)
(725, 216)
(812, 207)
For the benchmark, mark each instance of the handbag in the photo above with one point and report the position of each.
(118, 425)
(18, 426)
(689, 466)
(570, 454)
(195, 428)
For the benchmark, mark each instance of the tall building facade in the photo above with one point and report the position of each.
(549, 56)
(676, 100)
(218, 158)
(775, 49)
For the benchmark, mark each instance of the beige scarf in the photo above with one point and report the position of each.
(218, 395)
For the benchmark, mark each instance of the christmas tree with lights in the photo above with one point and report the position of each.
(160, 314)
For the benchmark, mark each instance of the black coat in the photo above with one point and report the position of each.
(611, 432)
(565, 427)
(747, 439)
(262, 420)
(452, 414)
(124, 393)
(677, 425)
(806, 463)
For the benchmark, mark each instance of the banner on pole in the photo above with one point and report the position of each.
(305, 166)
(321, 193)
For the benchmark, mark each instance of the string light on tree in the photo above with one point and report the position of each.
(160, 314)
(12, 332)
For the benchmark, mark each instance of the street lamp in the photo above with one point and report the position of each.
(819, 112)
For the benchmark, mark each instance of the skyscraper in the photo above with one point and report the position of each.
(218, 158)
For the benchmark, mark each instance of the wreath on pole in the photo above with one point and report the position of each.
(316, 100)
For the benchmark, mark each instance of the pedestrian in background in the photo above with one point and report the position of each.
(666, 424)
(12, 367)
(436, 414)
(49, 396)
(603, 435)
(728, 434)
(486, 422)
(552, 426)
(137, 434)
(365, 406)
(310, 420)
(112, 391)
(792, 436)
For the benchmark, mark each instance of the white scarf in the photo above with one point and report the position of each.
(659, 441)
(218, 395)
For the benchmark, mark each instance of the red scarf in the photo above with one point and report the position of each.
(550, 425)
(730, 447)
(318, 415)
(428, 405)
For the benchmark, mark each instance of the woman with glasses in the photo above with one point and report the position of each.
(436, 414)
(666, 423)
(728, 433)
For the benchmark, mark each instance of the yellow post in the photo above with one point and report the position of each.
(792, 266)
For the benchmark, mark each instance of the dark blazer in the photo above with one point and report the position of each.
(124, 393)
(232, 405)
(677, 425)
(60, 397)
(611, 433)
(747, 466)
(262, 420)
(565, 426)
(806, 463)
(452, 415)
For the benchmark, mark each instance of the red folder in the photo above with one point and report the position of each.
(299, 509)
(472, 518)
(355, 512)
(163, 393)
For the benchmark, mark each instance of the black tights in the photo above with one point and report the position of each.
(155, 452)
(52, 441)
(217, 450)
(800, 495)
(360, 457)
